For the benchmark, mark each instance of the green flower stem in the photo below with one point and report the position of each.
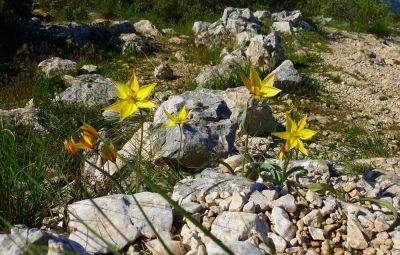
(286, 162)
(139, 161)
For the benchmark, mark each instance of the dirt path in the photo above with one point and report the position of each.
(366, 73)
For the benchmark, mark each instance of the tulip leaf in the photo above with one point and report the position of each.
(324, 187)
(382, 203)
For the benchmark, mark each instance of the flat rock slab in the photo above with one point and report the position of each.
(210, 181)
(117, 220)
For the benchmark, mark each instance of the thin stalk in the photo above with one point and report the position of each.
(180, 142)
(286, 163)
(139, 167)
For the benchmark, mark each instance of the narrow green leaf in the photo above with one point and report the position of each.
(324, 187)
(381, 203)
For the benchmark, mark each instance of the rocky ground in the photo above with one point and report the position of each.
(249, 215)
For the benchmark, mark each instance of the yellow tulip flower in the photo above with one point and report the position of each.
(108, 152)
(295, 133)
(89, 131)
(132, 97)
(70, 146)
(260, 89)
(84, 143)
(181, 117)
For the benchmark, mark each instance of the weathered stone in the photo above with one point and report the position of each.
(262, 15)
(18, 241)
(286, 76)
(261, 202)
(238, 226)
(209, 135)
(293, 16)
(57, 66)
(117, 219)
(176, 247)
(237, 202)
(286, 202)
(134, 43)
(249, 207)
(210, 180)
(146, 28)
(283, 27)
(279, 243)
(164, 72)
(282, 224)
(264, 51)
(169, 31)
(119, 27)
(89, 69)
(200, 26)
(237, 20)
(316, 233)
(88, 89)
(314, 198)
(355, 238)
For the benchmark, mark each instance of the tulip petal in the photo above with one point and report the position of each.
(146, 104)
(269, 91)
(291, 126)
(282, 135)
(127, 111)
(169, 115)
(169, 125)
(292, 142)
(134, 83)
(269, 80)
(303, 150)
(306, 134)
(117, 106)
(246, 82)
(254, 78)
(302, 123)
(122, 90)
(182, 113)
(145, 91)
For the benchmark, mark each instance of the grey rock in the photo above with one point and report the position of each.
(282, 224)
(22, 116)
(117, 219)
(238, 226)
(243, 38)
(200, 26)
(261, 202)
(236, 57)
(88, 89)
(264, 51)
(156, 247)
(237, 247)
(209, 135)
(286, 202)
(259, 118)
(237, 202)
(89, 69)
(356, 239)
(215, 35)
(285, 27)
(18, 241)
(316, 233)
(249, 207)
(169, 31)
(237, 20)
(146, 28)
(395, 235)
(292, 16)
(305, 25)
(213, 73)
(262, 15)
(164, 72)
(279, 243)
(210, 180)
(119, 27)
(192, 207)
(314, 198)
(134, 43)
(57, 66)
(286, 76)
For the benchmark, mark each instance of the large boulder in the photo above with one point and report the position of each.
(146, 28)
(18, 241)
(57, 66)
(117, 220)
(286, 76)
(264, 51)
(121, 27)
(209, 135)
(238, 20)
(88, 89)
(262, 15)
